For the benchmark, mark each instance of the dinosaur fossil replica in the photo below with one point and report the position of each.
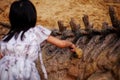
(100, 59)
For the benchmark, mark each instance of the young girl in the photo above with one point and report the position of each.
(21, 46)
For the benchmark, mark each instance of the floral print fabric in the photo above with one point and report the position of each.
(19, 56)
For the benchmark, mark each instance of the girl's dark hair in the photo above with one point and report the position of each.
(22, 17)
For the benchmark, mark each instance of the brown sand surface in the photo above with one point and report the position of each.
(50, 11)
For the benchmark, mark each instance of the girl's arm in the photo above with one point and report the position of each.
(61, 43)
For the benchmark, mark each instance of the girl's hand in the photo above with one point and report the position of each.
(73, 47)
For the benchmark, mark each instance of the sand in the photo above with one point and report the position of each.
(50, 11)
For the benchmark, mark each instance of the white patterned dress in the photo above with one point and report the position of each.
(19, 56)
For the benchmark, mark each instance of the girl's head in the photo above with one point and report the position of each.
(22, 17)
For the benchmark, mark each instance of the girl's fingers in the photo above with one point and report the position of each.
(73, 50)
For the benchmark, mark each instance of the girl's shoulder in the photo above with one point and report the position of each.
(40, 29)
(38, 33)
(36, 28)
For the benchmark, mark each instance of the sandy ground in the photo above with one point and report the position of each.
(50, 11)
